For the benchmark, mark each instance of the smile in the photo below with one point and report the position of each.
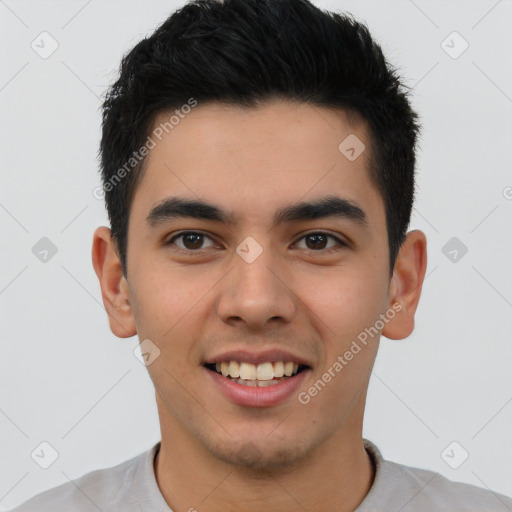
(257, 375)
(257, 385)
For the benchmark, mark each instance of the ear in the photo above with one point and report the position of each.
(406, 284)
(114, 287)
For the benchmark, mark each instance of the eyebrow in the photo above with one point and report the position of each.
(326, 207)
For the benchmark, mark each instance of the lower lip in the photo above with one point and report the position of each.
(255, 396)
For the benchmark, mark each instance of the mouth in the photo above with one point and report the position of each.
(257, 379)
(265, 384)
(265, 374)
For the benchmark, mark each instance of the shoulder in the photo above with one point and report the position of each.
(100, 489)
(411, 489)
(434, 490)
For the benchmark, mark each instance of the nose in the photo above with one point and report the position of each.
(256, 294)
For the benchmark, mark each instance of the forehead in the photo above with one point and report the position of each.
(254, 161)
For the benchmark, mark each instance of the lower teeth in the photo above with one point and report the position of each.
(259, 383)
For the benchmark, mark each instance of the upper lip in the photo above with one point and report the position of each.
(246, 356)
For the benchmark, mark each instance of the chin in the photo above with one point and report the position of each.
(260, 455)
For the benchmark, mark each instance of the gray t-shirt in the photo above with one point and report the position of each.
(131, 487)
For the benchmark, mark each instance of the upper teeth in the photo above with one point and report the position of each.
(263, 371)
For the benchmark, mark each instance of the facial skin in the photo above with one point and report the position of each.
(217, 455)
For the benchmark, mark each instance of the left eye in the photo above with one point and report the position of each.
(320, 238)
(192, 241)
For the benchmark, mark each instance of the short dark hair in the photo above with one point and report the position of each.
(244, 53)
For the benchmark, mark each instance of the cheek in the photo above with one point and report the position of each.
(158, 301)
(344, 301)
(170, 309)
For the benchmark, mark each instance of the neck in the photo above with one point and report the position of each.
(337, 475)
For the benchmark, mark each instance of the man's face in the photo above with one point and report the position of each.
(199, 296)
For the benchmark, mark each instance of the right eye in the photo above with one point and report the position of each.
(191, 241)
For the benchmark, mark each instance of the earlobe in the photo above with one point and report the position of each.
(114, 287)
(406, 285)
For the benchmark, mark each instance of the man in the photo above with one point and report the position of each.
(258, 166)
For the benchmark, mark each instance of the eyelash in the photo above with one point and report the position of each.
(340, 243)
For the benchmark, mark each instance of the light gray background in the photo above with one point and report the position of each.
(66, 379)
